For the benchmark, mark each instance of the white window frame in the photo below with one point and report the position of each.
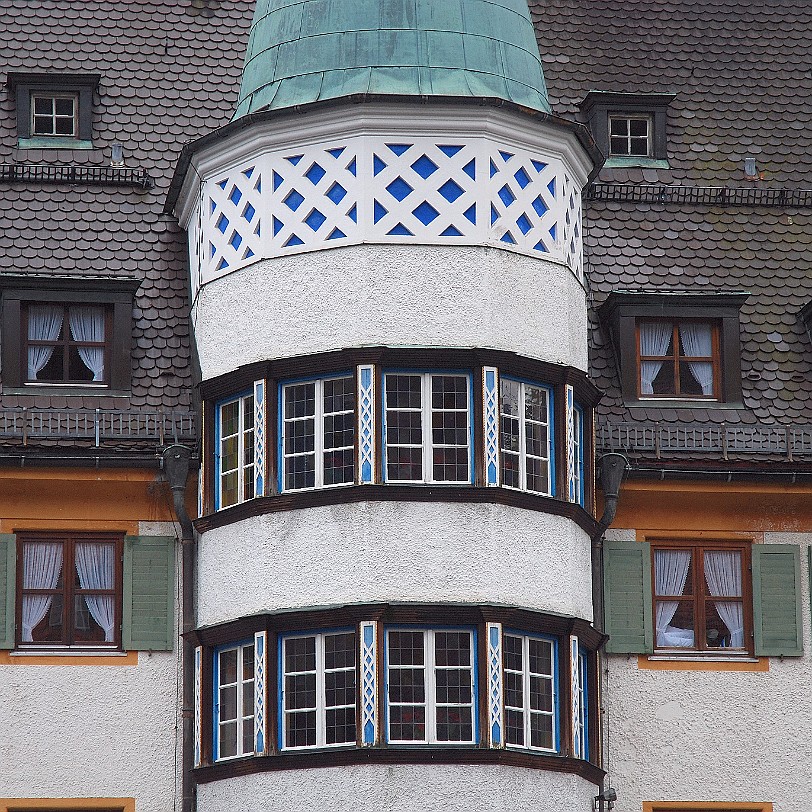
(522, 417)
(426, 412)
(52, 97)
(430, 668)
(318, 428)
(526, 710)
(241, 447)
(321, 699)
(629, 117)
(240, 686)
(583, 699)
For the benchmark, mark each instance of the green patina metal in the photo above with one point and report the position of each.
(301, 51)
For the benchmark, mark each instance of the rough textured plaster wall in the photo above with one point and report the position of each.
(92, 731)
(399, 551)
(714, 736)
(401, 788)
(369, 295)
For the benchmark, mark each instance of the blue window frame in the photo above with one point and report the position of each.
(531, 695)
(578, 417)
(318, 694)
(233, 677)
(428, 427)
(583, 704)
(526, 436)
(431, 685)
(317, 432)
(234, 455)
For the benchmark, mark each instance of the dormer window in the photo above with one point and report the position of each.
(54, 111)
(629, 128)
(629, 135)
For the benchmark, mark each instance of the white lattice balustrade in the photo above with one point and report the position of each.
(372, 189)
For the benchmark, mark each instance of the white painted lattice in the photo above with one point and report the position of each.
(490, 391)
(575, 704)
(496, 731)
(369, 686)
(260, 670)
(572, 467)
(366, 424)
(259, 438)
(453, 191)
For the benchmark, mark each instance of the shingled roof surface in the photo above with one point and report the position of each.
(170, 73)
(743, 79)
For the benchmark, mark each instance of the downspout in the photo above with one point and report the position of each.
(176, 460)
(613, 468)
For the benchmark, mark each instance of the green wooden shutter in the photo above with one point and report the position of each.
(8, 584)
(627, 596)
(149, 593)
(777, 620)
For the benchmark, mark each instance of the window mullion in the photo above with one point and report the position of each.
(428, 437)
(68, 565)
(431, 691)
(318, 434)
(321, 713)
(239, 710)
(526, 689)
(522, 438)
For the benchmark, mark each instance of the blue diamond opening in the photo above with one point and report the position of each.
(379, 212)
(248, 253)
(450, 149)
(236, 240)
(351, 167)
(400, 231)
(277, 226)
(426, 213)
(470, 169)
(539, 166)
(315, 219)
(336, 193)
(293, 240)
(494, 170)
(336, 153)
(248, 212)
(294, 200)
(551, 187)
(222, 264)
(235, 195)
(451, 231)
(222, 224)
(424, 166)
(377, 165)
(506, 156)
(508, 237)
(553, 231)
(470, 214)
(540, 246)
(522, 178)
(353, 214)
(451, 190)
(335, 234)
(277, 180)
(294, 159)
(315, 174)
(399, 189)
(494, 214)
(524, 224)
(540, 207)
(223, 183)
(399, 149)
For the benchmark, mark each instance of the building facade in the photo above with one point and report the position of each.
(373, 293)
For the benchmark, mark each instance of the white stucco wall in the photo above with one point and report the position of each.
(400, 788)
(394, 551)
(714, 735)
(92, 731)
(369, 295)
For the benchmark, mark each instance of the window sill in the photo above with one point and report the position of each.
(619, 162)
(65, 390)
(68, 657)
(43, 142)
(682, 403)
(695, 662)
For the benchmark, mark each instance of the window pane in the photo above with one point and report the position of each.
(228, 740)
(339, 467)
(64, 126)
(454, 724)
(724, 624)
(248, 735)
(228, 666)
(340, 725)
(675, 624)
(89, 611)
(618, 146)
(404, 464)
(339, 650)
(619, 126)
(449, 392)
(404, 428)
(229, 418)
(453, 686)
(663, 383)
(696, 378)
(300, 691)
(638, 146)
(638, 127)
(512, 652)
(43, 106)
(541, 656)
(407, 723)
(64, 107)
(228, 703)
(537, 475)
(403, 392)
(407, 685)
(301, 729)
(514, 723)
(300, 400)
(247, 662)
(541, 731)
(452, 648)
(339, 688)
(300, 654)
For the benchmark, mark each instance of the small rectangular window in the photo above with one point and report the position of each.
(234, 701)
(583, 705)
(430, 686)
(71, 588)
(629, 136)
(428, 427)
(235, 440)
(678, 359)
(699, 597)
(526, 441)
(54, 114)
(530, 693)
(318, 690)
(318, 433)
(66, 344)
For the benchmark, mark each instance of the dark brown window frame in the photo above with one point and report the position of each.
(623, 310)
(16, 291)
(677, 359)
(69, 541)
(699, 596)
(24, 86)
(402, 615)
(66, 342)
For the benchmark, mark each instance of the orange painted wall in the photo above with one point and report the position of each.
(714, 506)
(84, 499)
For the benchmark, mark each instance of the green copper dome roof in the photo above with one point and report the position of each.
(302, 51)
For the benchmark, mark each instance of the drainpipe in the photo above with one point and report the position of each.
(613, 467)
(176, 459)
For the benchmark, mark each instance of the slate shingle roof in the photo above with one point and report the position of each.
(169, 73)
(742, 77)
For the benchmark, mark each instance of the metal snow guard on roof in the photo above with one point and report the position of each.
(301, 51)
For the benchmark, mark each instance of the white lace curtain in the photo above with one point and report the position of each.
(95, 565)
(655, 336)
(670, 573)
(44, 324)
(723, 574)
(42, 564)
(697, 341)
(87, 324)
